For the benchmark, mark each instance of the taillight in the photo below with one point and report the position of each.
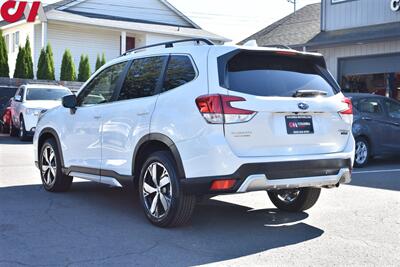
(349, 109)
(217, 109)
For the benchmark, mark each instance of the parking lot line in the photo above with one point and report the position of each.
(377, 171)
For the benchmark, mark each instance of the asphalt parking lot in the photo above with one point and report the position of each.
(94, 225)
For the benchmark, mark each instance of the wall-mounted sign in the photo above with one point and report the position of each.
(395, 5)
(12, 11)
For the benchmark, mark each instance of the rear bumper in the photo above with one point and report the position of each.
(277, 175)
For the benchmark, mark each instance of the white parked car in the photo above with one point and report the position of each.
(29, 102)
(182, 121)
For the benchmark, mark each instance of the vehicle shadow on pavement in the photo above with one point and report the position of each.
(7, 140)
(96, 225)
(381, 173)
(388, 181)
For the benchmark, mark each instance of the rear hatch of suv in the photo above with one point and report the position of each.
(281, 103)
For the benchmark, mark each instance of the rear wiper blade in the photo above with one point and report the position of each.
(309, 93)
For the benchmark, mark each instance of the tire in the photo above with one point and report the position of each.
(164, 205)
(23, 135)
(5, 129)
(362, 153)
(12, 130)
(52, 177)
(300, 199)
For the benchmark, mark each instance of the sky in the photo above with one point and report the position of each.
(233, 19)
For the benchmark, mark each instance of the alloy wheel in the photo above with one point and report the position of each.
(288, 196)
(361, 152)
(157, 190)
(49, 166)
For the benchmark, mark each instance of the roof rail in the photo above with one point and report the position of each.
(281, 46)
(170, 44)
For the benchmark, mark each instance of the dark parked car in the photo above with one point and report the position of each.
(376, 126)
(5, 118)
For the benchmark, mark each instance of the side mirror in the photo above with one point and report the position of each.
(18, 98)
(69, 101)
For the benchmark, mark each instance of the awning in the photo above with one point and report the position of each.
(361, 35)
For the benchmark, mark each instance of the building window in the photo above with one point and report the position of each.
(15, 43)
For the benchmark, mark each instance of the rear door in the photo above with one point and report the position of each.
(393, 119)
(372, 121)
(296, 100)
(128, 119)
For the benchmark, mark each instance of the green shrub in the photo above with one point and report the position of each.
(67, 67)
(28, 59)
(103, 59)
(98, 62)
(21, 68)
(84, 69)
(50, 57)
(41, 69)
(44, 71)
(4, 69)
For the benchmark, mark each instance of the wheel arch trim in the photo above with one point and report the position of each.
(52, 132)
(168, 142)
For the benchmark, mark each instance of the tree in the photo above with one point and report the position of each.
(84, 69)
(44, 69)
(41, 68)
(21, 69)
(4, 70)
(98, 62)
(28, 59)
(50, 58)
(103, 59)
(67, 67)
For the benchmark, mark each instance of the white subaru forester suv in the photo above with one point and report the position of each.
(183, 120)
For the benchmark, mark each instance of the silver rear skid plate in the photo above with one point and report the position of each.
(260, 182)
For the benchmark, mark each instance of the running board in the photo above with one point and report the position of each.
(96, 178)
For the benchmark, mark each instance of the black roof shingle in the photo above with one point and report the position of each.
(293, 30)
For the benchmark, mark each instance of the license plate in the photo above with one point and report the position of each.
(299, 124)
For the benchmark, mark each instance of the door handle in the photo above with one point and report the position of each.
(143, 113)
(97, 117)
(366, 118)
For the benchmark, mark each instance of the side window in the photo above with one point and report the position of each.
(101, 88)
(21, 93)
(371, 106)
(142, 78)
(179, 71)
(393, 109)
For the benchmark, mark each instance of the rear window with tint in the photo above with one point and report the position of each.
(275, 75)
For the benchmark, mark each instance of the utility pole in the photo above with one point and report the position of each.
(294, 4)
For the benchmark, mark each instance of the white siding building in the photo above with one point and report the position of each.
(360, 40)
(94, 27)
